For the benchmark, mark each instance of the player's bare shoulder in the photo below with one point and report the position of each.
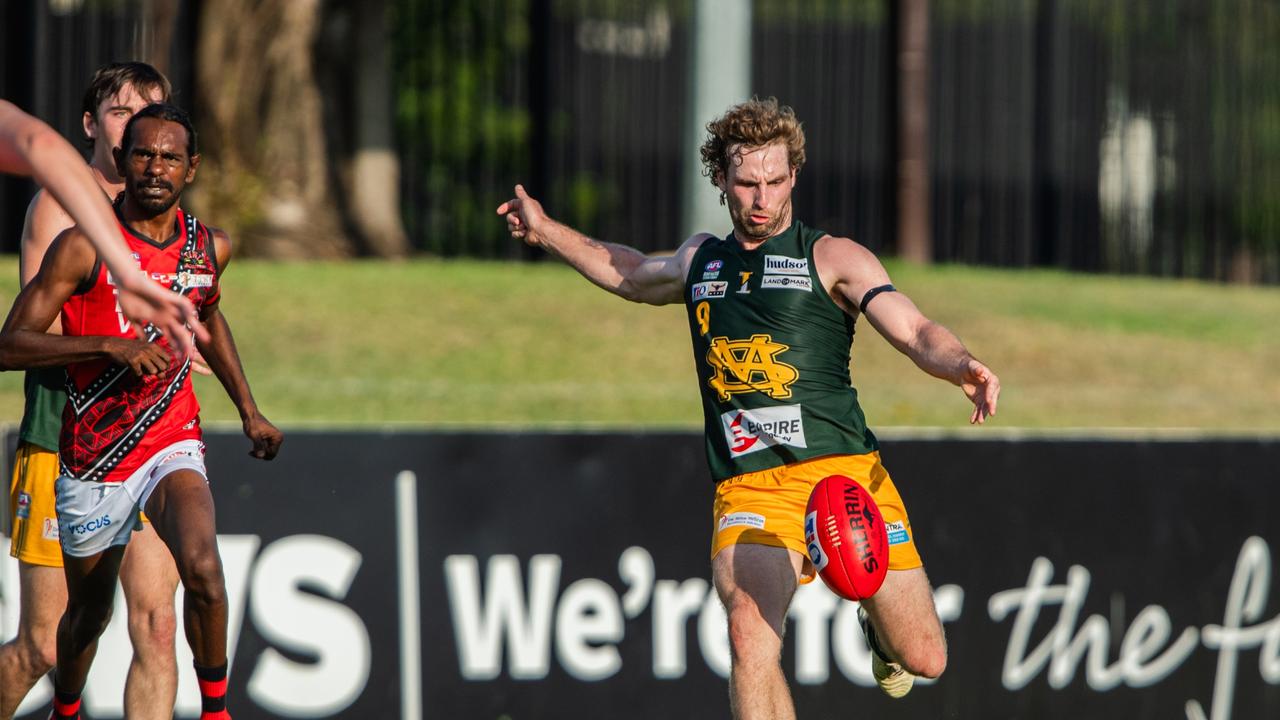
(223, 248)
(44, 220)
(71, 256)
(847, 269)
(689, 248)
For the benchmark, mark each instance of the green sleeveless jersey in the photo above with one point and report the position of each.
(772, 352)
(42, 417)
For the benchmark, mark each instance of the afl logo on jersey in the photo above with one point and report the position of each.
(713, 266)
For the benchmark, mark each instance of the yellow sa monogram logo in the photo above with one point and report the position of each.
(743, 366)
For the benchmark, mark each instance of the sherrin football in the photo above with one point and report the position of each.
(846, 537)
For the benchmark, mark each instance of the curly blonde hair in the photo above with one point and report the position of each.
(751, 124)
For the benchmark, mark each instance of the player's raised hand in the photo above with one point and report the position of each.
(144, 301)
(982, 387)
(524, 215)
(265, 436)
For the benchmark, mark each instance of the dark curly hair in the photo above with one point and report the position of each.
(751, 124)
(163, 111)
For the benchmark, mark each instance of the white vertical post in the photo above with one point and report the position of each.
(719, 76)
(410, 617)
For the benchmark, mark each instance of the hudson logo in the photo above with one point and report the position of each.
(783, 265)
(746, 431)
(744, 366)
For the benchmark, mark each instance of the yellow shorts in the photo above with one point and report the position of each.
(31, 505)
(767, 507)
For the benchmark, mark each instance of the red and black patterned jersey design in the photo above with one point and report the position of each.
(114, 420)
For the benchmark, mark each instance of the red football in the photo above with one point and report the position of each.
(846, 537)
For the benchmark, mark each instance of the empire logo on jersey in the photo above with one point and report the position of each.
(746, 431)
(745, 366)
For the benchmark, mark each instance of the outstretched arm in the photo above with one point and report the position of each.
(220, 353)
(622, 270)
(24, 342)
(30, 147)
(849, 272)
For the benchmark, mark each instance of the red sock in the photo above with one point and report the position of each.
(213, 692)
(66, 706)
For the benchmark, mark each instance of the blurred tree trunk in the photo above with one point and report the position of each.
(915, 235)
(355, 78)
(281, 154)
(161, 18)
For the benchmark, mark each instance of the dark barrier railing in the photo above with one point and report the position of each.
(564, 575)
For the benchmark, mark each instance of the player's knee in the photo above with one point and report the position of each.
(153, 630)
(203, 579)
(39, 652)
(751, 638)
(927, 662)
(88, 620)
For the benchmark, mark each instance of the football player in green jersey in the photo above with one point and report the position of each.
(771, 310)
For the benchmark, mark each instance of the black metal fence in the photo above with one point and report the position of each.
(1129, 136)
(1124, 137)
(49, 51)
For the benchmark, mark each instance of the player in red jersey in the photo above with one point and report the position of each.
(147, 573)
(131, 430)
(30, 147)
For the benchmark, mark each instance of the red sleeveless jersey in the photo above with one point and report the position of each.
(114, 420)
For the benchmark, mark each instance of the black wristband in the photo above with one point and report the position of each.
(862, 307)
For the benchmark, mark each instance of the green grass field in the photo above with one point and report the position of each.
(479, 344)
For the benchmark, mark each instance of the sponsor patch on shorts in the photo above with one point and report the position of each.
(704, 290)
(185, 453)
(748, 519)
(89, 527)
(816, 556)
(24, 505)
(50, 531)
(787, 282)
(897, 532)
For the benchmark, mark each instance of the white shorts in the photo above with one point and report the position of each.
(93, 516)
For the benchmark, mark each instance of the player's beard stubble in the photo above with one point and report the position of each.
(154, 195)
(747, 229)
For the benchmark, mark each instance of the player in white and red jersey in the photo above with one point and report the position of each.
(148, 575)
(131, 435)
